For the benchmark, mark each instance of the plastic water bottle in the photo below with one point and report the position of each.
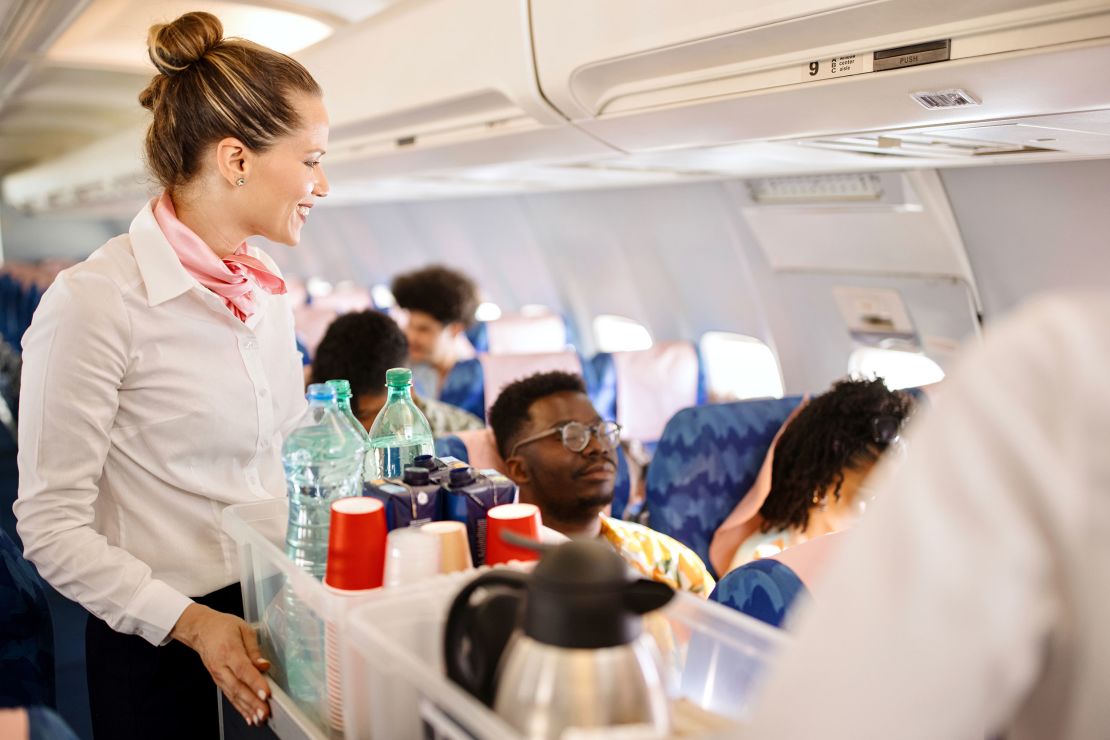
(400, 432)
(343, 396)
(323, 460)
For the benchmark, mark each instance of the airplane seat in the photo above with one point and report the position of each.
(311, 322)
(26, 632)
(345, 299)
(526, 335)
(499, 371)
(763, 589)
(474, 385)
(481, 449)
(642, 390)
(706, 460)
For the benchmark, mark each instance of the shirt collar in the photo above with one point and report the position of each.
(163, 274)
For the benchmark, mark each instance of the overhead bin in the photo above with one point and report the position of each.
(424, 87)
(438, 84)
(646, 75)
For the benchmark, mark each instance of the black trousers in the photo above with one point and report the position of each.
(140, 691)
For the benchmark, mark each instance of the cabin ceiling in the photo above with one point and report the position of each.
(71, 70)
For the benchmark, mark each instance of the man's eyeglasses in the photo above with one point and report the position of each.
(576, 435)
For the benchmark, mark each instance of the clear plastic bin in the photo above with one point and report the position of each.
(290, 606)
(397, 688)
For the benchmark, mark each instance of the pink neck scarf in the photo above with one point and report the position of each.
(233, 278)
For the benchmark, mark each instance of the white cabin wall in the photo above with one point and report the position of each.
(1032, 228)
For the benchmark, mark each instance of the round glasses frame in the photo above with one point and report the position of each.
(576, 436)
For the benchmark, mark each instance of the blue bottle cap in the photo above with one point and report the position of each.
(320, 392)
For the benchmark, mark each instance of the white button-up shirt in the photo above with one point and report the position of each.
(147, 407)
(974, 599)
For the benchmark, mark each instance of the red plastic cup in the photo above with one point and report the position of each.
(356, 544)
(522, 519)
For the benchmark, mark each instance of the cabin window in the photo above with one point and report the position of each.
(739, 367)
(900, 369)
(487, 312)
(620, 334)
(382, 297)
(317, 287)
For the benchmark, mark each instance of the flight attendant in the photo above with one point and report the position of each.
(159, 378)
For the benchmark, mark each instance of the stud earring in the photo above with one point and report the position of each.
(240, 182)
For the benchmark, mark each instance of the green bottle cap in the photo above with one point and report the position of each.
(398, 377)
(342, 389)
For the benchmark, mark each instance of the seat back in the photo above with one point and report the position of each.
(706, 460)
(345, 298)
(642, 390)
(311, 322)
(499, 371)
(763, 589)
(26, 632)
(526, 335)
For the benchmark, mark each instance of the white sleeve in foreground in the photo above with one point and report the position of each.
(74, 357)
(932, 623)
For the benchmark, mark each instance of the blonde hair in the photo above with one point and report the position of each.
(208, 88)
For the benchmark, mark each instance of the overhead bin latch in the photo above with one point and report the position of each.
(913, 55)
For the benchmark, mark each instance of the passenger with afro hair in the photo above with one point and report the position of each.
(439, 304)
(818, 466)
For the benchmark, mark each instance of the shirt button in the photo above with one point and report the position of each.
(263, 393)
(250, 344)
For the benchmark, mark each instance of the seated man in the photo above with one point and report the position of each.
(440, 305)
(564, 458)
(360, 347)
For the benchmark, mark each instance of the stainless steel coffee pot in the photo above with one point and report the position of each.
(563, 647)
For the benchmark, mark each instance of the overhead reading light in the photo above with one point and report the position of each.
(112, 33)
(816, 189)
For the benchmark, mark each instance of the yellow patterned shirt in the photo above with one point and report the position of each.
(658, 557)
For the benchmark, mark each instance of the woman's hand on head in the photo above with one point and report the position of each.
(229, 649)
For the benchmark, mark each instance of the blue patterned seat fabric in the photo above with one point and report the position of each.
(763, 589)
(26, 634)
(706, 461)
(465, 387)
(452, 446)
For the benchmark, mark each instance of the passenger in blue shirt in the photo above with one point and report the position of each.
(439, 305)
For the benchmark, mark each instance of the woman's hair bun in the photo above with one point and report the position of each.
(173, 47)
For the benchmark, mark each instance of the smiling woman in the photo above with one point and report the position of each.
(178, 315)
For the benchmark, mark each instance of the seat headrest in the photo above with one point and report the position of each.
(652, 386)
(706, 460)
(501, 370)
(526, 335)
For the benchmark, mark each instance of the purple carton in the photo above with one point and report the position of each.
(467, 495)
(409, 501)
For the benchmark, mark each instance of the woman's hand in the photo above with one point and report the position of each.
(229, 649)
